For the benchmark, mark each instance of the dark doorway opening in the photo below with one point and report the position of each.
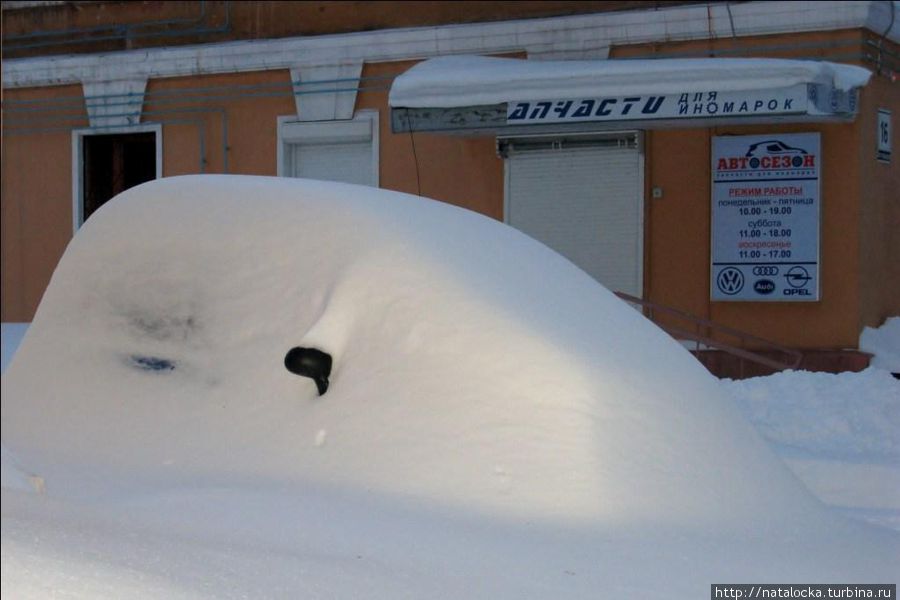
(113, 163)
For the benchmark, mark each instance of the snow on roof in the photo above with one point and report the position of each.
(452, 81)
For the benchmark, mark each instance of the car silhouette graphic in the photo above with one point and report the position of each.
(775, 148)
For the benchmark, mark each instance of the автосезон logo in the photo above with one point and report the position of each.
(767, 155)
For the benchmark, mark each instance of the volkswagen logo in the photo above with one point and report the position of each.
(730, 281)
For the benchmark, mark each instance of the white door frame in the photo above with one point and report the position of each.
(78, 136)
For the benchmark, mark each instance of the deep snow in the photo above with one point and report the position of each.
(851, 416)
(499, 425)
(840, 434)
(12, 334)
(884, 343)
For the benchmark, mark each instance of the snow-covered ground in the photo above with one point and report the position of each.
(11, 336)
(491, 429)
(840, 434)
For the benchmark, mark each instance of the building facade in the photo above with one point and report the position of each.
(99, 96)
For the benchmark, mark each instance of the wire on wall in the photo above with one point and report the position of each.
(412, 140)
(730, 19)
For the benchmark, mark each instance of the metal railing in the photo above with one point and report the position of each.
(701, 332)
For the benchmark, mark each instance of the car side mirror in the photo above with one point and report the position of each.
(312, 363)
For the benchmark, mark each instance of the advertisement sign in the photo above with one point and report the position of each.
(765, 218)
(792, 100)
(801, 99)
(796, 102)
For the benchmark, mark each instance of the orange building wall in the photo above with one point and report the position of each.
(680, 238)
(248, 104)
(36, 199)
(859, 246)
(839, 46)
(464, 171)
(831, 322)
(859, 273)
(677, 234)
(79, 27)
(37, 169)
(879, 209)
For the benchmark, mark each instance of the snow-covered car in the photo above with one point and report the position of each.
(495, 423)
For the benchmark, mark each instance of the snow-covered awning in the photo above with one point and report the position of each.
(540, 92)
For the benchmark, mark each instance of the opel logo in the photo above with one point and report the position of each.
(797, 277)
(730, 281)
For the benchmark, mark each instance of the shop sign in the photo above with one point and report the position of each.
(765, 218)
(798, 102)
(798, 99)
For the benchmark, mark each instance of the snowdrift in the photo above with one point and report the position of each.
(493, 415)
(472, 366)
(497, 423)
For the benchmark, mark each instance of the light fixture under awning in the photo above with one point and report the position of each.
(476, 92)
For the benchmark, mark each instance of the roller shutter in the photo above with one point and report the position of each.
(343, 151)
(583, 198)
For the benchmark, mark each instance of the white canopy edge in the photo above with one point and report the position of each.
(455, 81)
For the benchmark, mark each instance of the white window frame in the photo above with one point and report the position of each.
(292, 130)
(639, 137)
(78, 136)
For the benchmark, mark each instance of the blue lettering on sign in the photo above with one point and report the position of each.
(652, 105)
(540, 110)
(602, 110)
(520, 112)
(793, 292)
(628, 102)
(585, 110)
(693, 104)
(562, 108)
